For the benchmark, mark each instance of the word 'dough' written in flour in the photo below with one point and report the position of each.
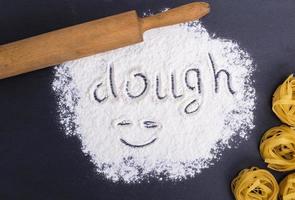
(163, 108)
(190, 84)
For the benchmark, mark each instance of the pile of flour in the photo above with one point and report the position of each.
(166, 107)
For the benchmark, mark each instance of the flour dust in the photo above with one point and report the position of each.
(166, 107)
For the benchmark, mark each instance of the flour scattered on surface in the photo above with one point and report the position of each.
(166, 107)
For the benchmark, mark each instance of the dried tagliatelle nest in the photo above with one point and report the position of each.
(277, 148)
(287, 188)
(255, 184)
(283, 103)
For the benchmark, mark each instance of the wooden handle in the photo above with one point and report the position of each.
(188, 12)
(89, 38)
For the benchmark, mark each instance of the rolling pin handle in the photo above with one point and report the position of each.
(185, 13)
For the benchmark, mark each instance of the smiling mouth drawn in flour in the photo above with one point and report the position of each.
(147, 124)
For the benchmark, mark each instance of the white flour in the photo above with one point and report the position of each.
(166, 107)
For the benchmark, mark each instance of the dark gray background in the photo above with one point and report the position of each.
(38, 162)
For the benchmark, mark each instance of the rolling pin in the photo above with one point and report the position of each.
(88, 38)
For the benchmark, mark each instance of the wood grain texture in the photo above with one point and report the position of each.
(69, 43)
(89, 38)
(177, 15)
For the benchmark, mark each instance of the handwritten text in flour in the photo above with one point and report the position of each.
(138, 84)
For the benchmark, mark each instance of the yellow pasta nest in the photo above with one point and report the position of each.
(283, 102)
(277, 148)
(255, 184)
(287, 188)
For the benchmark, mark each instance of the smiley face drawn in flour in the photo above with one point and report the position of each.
(149, 128)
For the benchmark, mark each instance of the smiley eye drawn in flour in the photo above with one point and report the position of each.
(124, 123)
(148, 127)
(150, 124)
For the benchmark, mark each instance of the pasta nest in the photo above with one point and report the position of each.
(277, 148)
(283, 103)
(287, 188)
(255, 184)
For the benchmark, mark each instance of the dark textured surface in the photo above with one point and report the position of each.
(38, 162)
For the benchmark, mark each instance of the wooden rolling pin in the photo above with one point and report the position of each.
(89, 38)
